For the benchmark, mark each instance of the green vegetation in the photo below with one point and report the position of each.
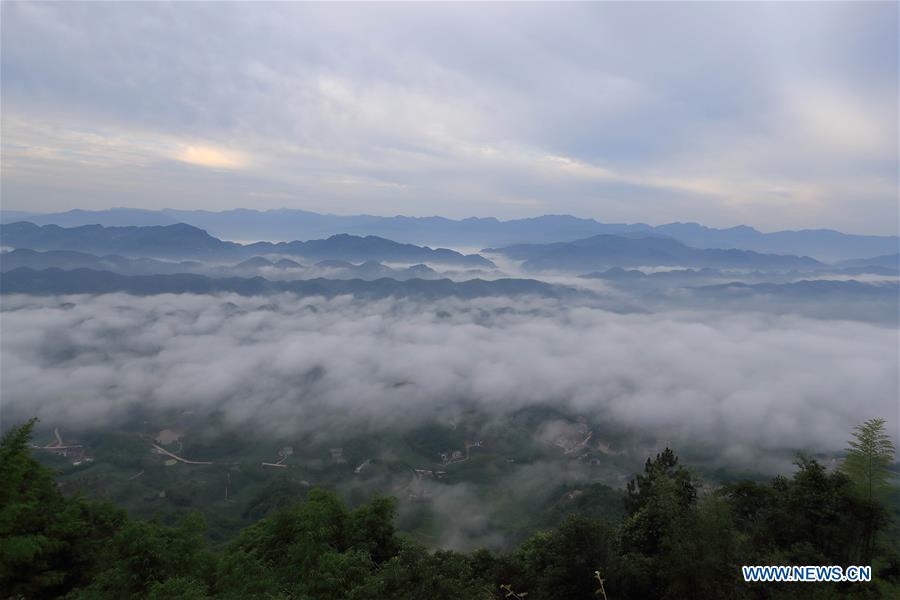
(868, 458)
(677, 538)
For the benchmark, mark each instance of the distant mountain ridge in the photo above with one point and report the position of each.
(607, 251)
(708, 276)
(258, 265)
(891, 261)
(70, 259)
(89, 281)
(159, 241)
(181, 241)
(292, 224)
(354, 248)
(811, 289)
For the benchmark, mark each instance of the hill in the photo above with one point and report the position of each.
(69, 259)
(181, 241)
(605, 251)
(89, 281)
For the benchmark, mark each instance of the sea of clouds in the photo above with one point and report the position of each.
(741, 384)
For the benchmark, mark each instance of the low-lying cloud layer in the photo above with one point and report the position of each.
(739, 385)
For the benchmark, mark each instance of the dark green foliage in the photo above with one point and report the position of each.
(675, 538)
(594, 500)
(661, 476)
(125, 451)
(560, 564)
(47, 543)
(144, 554)
(414, 572)
(276, 495)
(869, 458)
(814, 518)
(431, 440)
(673, 545)
(178, 588)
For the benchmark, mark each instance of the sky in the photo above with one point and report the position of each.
(776, 115)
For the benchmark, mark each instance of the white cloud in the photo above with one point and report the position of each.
(745, 384)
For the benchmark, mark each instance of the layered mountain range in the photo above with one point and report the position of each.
(181, 258)
(185, 248)
(291, 224)
(181, 241)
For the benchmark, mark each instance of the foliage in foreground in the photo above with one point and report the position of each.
(677, 541)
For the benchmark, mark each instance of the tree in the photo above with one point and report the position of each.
(48, 544)
(656, 502)
(661, 472)
(814, 517)
(869, 455)
(178, 588)
(699, 558)
(560, 564)
(675, 542)
(144, 554)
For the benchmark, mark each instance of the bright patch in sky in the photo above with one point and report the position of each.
(207, 156)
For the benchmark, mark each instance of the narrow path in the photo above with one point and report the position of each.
(178, 458)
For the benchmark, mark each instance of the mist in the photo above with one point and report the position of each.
(740, 386)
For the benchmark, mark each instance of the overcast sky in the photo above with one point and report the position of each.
(777, 115)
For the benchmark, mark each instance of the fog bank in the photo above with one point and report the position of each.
(740, 383)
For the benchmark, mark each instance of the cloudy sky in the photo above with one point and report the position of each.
(778, 115)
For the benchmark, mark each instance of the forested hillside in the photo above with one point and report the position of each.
(680, 538)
